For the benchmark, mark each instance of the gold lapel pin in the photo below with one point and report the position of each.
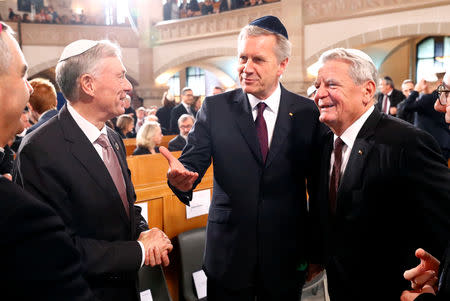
(290, 114)
(360, 152)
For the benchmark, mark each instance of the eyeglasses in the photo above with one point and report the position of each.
(443, 93)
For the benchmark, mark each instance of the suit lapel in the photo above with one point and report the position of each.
(244, 119)
(83, 150)
(352, 178)
(282, 126)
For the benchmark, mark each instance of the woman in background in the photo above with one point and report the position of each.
(125, 126)
(148, 139)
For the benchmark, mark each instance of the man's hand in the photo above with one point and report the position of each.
(178, 176)
(425, 274)
(444, 109)
(157, 247)
(420, 86)
(412, 295)
(393, 111)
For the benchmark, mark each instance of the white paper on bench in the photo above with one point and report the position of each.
(146, 296)
(200, 283)
(199, 204)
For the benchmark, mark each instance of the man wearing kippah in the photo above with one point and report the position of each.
(262, 141)
(77, 165)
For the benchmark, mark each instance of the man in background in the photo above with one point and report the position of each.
(185, 123)
(184, 107)
(42, 103)
(389, 97)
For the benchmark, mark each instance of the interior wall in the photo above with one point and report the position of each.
(396, 65)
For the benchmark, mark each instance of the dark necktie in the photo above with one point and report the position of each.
(336, 173)
(261, 130)
(385, 109)
(113, 166)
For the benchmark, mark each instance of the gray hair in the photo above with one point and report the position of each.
(184, 117)
(5, 52)
(68, 72)
(282, 48)
(144, 137)
(361, 66)
(185, 89)
(407, 81)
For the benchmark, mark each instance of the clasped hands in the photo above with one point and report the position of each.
(157, 247)
(424, 277)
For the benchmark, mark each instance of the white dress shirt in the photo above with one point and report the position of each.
(271, 111)
(92, 133)
(349, 137)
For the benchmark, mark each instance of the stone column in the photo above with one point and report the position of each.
(149, 13)
(294, 79)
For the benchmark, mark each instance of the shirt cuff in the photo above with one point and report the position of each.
(143, 253)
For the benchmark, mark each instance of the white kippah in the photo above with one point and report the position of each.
(311, 90)
(77, 48)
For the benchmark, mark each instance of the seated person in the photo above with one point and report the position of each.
(125, 126)
(42, 103)
(185, 123)
(207, 7)
(148, 139)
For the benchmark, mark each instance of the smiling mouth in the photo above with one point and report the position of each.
(326, 106)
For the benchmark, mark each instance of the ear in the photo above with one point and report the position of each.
(87, 84)
(283, 66)
(369, 88)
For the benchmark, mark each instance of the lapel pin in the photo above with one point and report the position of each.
(290, 114)
(360, 152)
(116, 145)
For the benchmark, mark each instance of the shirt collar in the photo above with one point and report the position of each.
(349, 136)
(90, 130)
(272, 102)
(390, 92)
(2, 150)
(186, 106)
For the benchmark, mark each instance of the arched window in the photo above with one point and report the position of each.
(433, 53)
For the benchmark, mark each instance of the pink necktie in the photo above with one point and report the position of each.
(261, 130)
(385, 104)
(336, 173)
(113, 166)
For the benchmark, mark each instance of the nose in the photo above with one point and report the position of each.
(127, 85)
(29, 87)
(248, 66)
(320, 93)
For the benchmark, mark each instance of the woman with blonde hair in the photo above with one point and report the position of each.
(148, 139)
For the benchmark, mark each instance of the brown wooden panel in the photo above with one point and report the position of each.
(154, 211)
(166, 139)
(130, 145)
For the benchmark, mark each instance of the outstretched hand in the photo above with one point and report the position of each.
(425, 274)
(178, 176)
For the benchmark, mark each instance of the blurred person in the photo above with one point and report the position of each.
(163, 113)
(148, 139)
(428, 119)
(152, 118)
(77, 165)
(128, 108)
(197, 104)
(377, 172)
(170, 10)
(37, 254)
(184, 107)
(407, 88)
(389, 97)
(185, 123)
(207, 8)
(217, 90)
(42, 103)
(140, 115)
(263, 143)
(183, 9)
(193, 9)
(125, 126)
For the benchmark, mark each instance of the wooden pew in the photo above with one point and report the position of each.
(164, 210)
(130, 143)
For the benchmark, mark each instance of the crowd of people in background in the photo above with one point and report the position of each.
(193, 8)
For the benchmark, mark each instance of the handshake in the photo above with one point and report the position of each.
(157, 247)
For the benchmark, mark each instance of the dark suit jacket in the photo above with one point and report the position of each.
(59, 165)
(234, 5)
(43, 119)
(429, 120)
(257, 218)
(176, 112)
(394, 196)
(163, 115)
(177, 144)
(395, 98)
(6, 161)
(38, 258)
